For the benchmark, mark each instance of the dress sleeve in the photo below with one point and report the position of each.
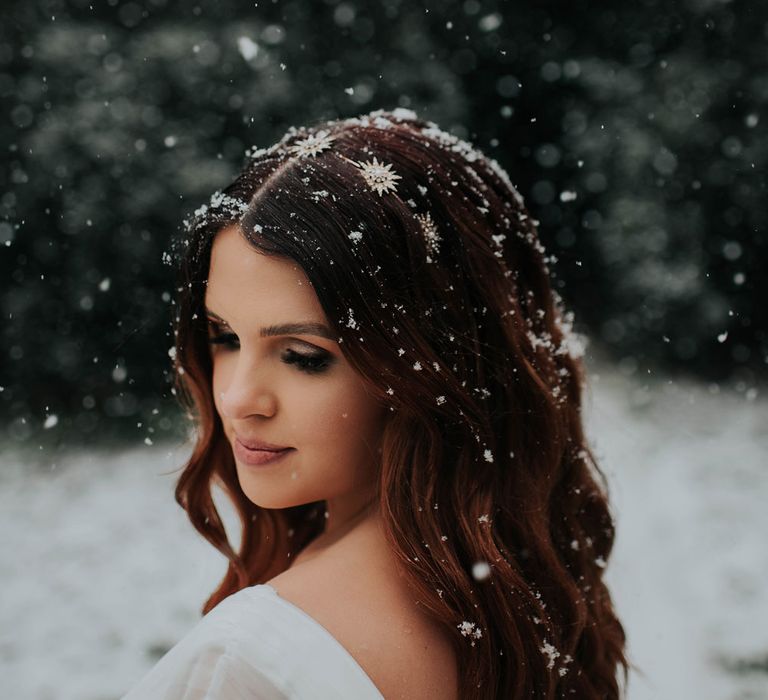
(256, 646)
(208, 664)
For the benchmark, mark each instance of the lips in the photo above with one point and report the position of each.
(260, 445)
(259, 457)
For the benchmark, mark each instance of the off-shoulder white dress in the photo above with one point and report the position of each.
(256, 645)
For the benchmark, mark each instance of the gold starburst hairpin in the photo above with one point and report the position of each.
(312, 144)
(378, 176)
(431, 234)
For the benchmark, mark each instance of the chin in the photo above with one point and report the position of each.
(275, 498)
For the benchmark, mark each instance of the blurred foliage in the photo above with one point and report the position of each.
(636, 133)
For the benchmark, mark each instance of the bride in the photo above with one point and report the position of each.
(387, 388)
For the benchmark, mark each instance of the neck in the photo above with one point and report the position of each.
(338, 527)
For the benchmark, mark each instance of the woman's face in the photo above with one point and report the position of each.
(290, 388)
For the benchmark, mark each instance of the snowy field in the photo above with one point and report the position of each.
(102, 573)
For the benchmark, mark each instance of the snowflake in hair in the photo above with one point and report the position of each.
(312, 144)
(431, 234)
(380, 177)
(471, 630)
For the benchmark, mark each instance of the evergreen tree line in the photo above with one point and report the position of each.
(634, 131)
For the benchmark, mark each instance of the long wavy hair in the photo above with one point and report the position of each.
(439, 290)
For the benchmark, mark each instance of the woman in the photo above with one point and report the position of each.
(386, 386)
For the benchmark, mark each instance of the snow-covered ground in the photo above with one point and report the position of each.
(101, 572)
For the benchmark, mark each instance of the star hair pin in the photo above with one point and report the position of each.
(312, 144)
(378, 176)
(430, 232)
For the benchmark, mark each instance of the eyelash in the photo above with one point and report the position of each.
(311, 364)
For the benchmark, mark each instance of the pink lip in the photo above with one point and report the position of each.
(258, 457)
(260, 444)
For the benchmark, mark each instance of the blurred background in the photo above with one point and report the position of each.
(636, 134)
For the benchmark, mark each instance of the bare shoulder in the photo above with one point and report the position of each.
(355, 592)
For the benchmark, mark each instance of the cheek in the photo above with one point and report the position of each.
(219, 384)
(343, 417)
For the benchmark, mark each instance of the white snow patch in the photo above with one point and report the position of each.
(685, 465)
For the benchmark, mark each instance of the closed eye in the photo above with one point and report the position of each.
(229, 340)
(313, 363)
(217, 337)
(310, 363)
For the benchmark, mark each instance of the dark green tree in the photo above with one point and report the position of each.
(635, 132)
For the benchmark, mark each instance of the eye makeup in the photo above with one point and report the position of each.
(313, 363)
(307, 362)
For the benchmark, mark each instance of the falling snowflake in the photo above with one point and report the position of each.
(350, 322)
(247, 47)
(356, 236)
(470, 629)
(551, 652)
(312, 144)
(380, 177)
(488, 455)
(481, 570)
(563, 670)
(229, 204)
(484, 518)
(440, 400)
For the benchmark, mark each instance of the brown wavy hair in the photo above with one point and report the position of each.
(439, 291)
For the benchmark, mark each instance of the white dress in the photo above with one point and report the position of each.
(256, 645)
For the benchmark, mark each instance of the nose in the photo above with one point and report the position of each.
(247, 394)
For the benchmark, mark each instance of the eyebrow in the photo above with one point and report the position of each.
(300, 328)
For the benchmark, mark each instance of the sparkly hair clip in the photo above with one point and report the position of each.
(378, 176)
(430, 233)
(312, 144)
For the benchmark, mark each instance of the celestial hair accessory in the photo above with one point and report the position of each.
(430, 232)
(312, 144)
(378, 176)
